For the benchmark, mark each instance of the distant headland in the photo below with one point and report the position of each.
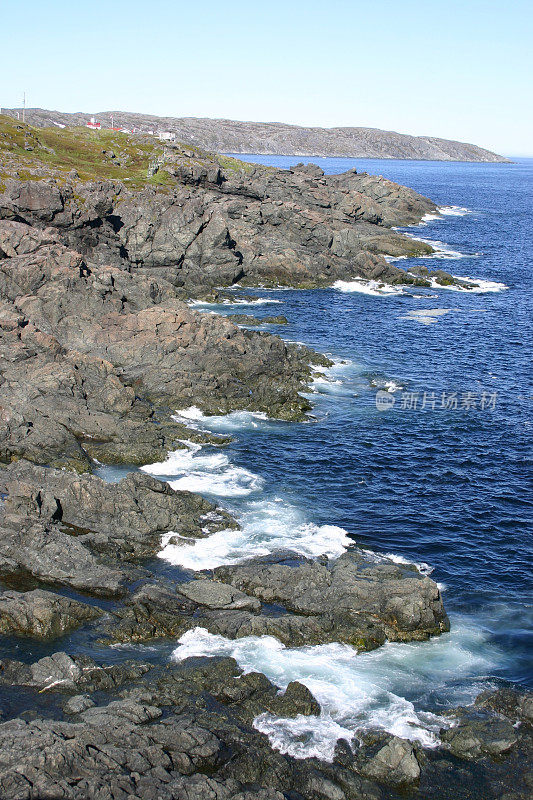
(272, 138)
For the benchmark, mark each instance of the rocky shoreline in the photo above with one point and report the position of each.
(101, 249)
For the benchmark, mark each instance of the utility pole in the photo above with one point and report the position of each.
(24, 108)
(111, 120)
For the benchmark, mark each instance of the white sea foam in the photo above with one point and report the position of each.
(444, 211)
(268, 523)
(373, 288)
(454, 211)
(392, 386)
(422, 567)
(265, 528)
(375, 555)
(357, 692)
(425, 316)
(238, 301)
(323, 385)
(479, 285)
(303, 736)
(236, 420)
(334, 380)
(211, 474)
(442, 250)
(386, 385)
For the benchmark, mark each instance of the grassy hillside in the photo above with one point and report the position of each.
(29, 153)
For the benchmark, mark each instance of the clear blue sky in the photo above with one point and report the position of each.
(456, 69)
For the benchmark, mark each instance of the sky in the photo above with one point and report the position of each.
(458, 70)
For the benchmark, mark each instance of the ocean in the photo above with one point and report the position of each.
(418, 446)
(439, 478)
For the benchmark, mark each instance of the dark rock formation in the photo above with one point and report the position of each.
(351, 600)
(215, 221)
(63, 529)
(232, 136)
(361, 602)
(131, 732)
(43, 615)
(390, 761)
(90, 355)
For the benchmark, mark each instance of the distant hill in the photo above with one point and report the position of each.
(275, 138)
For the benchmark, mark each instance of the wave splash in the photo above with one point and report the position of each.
(357, 692)
(370, 287)
(269, 523)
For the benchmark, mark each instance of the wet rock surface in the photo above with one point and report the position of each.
(42, 614)
(351, 600)
(358, 598)
(186, 731)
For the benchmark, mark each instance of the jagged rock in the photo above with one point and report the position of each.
(394, 763)
(217, 225)
(41, 614)
(62, 673)
(30, 548)
(359, 600)
(510, 703)
(296, 699)
(214, 594)
(77, 704)
(123, 341)
(352, 599)
(123, 520)
(185, 731)
(475, 737)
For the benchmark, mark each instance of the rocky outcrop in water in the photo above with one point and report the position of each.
(128, 731)
(63, 529)
(204, 221)
(352, 599)
(42, 615)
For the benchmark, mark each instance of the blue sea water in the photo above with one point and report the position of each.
(445, 488)
(448, 487)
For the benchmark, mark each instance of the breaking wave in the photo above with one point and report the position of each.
(357, 692)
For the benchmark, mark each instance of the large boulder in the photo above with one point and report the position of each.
(41, 614)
